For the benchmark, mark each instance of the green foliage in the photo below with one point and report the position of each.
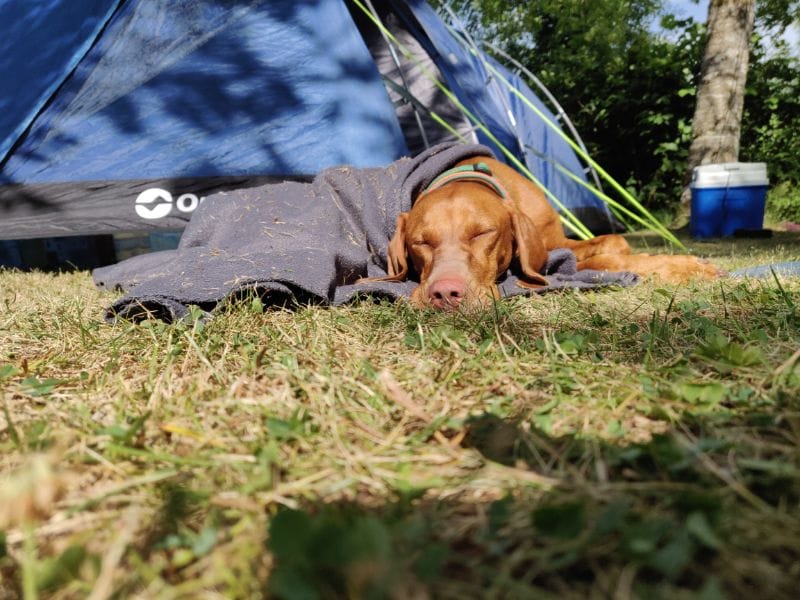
(126, 434)
(630, 86)
(725, 355)
(40, 387)
(343, 552)
(777, 15)
(629, 92)
(671, 528)
(55, 572)
(565, 521)
(638, 442)
(771, 120)
(783, 202)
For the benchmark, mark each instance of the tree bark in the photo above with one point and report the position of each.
(716, 125)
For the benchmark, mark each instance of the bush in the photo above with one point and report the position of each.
(783, 202)
(630, 88)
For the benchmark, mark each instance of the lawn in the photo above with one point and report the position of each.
(637, 443)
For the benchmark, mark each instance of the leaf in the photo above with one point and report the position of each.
(41, 387)
(700, 529)
(289, 533)
(704, 393)
(499, 513)
(543, 423)
(775, 468)
(413, 339)
(55, 572)
(256, 305)
(366, 539)
(641, 539)
(123, 435)
(205, 541)
(182, 557)
(563, 521)
(725, 355)
(673, 558)
(615, 428)
(283, 430)
(293, 583)
(430, 562)
(612, 518)
(7, 371)
(548, 406)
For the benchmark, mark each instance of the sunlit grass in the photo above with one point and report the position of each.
(626, 443)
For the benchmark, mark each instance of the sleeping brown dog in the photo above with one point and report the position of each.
(468, 226)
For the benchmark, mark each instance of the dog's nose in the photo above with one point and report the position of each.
(447, 293)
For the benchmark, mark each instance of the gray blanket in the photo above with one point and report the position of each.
(307, 241)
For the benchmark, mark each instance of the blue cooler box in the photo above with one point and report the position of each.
(727, 197)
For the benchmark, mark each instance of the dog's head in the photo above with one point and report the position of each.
(459, 238)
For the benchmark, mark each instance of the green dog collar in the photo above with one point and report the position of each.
(479, 172)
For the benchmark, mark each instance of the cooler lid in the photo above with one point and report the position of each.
(735, 174)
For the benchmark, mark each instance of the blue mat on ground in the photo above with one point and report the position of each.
(784, 268)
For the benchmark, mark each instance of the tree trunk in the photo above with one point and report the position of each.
(716, 125)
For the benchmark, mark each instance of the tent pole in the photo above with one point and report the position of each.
(492, 79)
(566, 216)
(561, 113)
(655, 225)
(396, 60)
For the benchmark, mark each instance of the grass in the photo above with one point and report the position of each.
(639, 443)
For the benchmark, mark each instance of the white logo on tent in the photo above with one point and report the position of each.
(162, 200)
(155, 203)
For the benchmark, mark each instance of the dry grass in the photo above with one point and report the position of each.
(618, 443)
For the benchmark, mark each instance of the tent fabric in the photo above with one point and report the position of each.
(191, 75)
(414, 96)
(132, 112)
(40, 44)
(510, 120)
(198, 89)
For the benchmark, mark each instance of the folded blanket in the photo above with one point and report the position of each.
(311, 241)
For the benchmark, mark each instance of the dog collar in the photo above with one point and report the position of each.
(478, 172)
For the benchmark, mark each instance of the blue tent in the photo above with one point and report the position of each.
(122, 115)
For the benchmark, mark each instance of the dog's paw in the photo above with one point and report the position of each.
(705, 269)
(681, 269)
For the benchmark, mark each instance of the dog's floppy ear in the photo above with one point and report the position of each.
(530, 250)
(397, 259)
(397, 266)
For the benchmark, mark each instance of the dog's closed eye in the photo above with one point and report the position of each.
(482, 234)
